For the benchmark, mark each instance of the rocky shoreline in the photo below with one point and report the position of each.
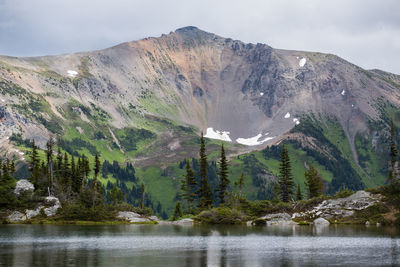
(324, 213)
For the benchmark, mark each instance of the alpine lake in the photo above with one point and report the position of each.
(198, 245)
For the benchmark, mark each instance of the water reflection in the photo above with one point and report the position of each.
(167, 245)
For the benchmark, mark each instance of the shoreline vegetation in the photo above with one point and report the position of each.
(84, 200)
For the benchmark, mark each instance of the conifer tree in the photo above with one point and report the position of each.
(115, 195)
(178, 211)
(188, 185)
(313, 182)
(7, 185)
(285, 176)
(58, 165)
(223, 177)
(393, 153)
(298, 193)
(204, 192)
(49, 158)
(95, 186)
(66, 171)
(142, 190)
(34, 165)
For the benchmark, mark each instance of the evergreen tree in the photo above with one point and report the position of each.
(393, 153)
(313, 182)
(285, 176)
(59, 165)
(178, 211)
(223, 177)
(7, 186)
(34, 165)
(142, 191)
(49, 157)
(298, 193)
(204, 192)
(188, 185)
(115, 195)
(240, 184)
(96, 187)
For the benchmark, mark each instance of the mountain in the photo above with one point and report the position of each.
(147, 101)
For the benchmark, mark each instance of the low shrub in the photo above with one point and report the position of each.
(221, 215)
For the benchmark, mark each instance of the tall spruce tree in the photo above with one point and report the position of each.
(298, 193)
(96, 187)
(285, 176)
(223, 177)
(7, 185)
(313, 182)
(188, 187)
(34, 165)
(49, 158)
(142, 191)
(204, 192)
(393, 153)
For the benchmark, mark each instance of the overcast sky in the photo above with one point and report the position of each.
(365, 32)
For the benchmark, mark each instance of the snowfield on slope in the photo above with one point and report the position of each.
(219, 135)
(302, 62)
(253, 141)
(72, 73)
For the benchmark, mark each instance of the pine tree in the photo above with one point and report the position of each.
(393, 153)
(204, 192)
(188, 185)
(115, 195)
(49, 157)
(178, 211)
(95, 185)
(7, 185)
(58, 165)
(34, 165)
(223, 177)
(285, 176)
(313, 182)
(298, 193)
(240, 184)
(142, 191)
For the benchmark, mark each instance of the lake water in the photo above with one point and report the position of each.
(167, 245)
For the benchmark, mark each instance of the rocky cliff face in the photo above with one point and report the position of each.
(247, 93)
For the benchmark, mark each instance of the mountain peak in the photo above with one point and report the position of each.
(188, 29)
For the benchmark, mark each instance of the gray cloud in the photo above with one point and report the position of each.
(365, 32)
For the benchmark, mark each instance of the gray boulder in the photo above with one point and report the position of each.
(278, 219)
(341, 207)
(321, 221)
(52, 210)
(16, 216)
(133, 217)
(23, 186)
(33, 213)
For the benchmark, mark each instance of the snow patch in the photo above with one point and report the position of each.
(72, 73)
(287, 116)
(343, 92)
(302, 62)
(253, 141)
(220, 135)
(261, 94)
